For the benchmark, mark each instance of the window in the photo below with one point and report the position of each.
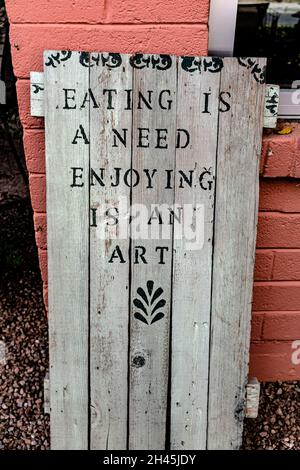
(263, 29)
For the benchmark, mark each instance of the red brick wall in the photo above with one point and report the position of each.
(276, 293)
(179, 27)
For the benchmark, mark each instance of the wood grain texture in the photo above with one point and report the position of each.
(239, 146)
(192, 261)
(109, 281)
(68, 258)
(150, 350)
(149, 343)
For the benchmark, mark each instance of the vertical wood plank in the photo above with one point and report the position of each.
(238, 156)
(109, 280)
(197, 111)
(68, 252)
(149, 342)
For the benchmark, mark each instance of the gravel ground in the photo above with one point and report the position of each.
(23, 329)
(277, 426)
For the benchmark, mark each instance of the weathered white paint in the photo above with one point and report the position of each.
(118, 379)
(192, 265)
(109, 291)
(236, 205)
(68, 259)
(148, 387)
(37, 94)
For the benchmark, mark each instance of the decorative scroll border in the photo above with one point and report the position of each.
(190, 64)
(258, 72)
(138, 61)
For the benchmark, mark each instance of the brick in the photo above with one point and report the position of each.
(276, 295)
(37, 184)
(271, 361)
(257, 325)
(263, 265)
(286, 265)
(280, 154)
(34, 145)
(45, 295)
(101, 11)
(43, 262)
(280, 194)
(40, 226)
(29, 41)
(281, 326)
(23, 92)
(263, 156)
(158, 11)
(56, 11)
(276, 230)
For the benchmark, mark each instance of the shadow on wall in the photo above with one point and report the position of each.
(13, 174)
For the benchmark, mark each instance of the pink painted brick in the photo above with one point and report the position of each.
(29, 41)
(37, 184)
(158, 11)
(257, 325)
(286, 265)
(43, 261)
(56, 11)
(271, 361)
(40, 225)
(281, 154)
(276, 230)
(102, 11)
(263, 265)
(279, 194)
(281, 326)
(45, 295)
(276, 295)
(34, 145)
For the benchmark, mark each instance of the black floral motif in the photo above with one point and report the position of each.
(213, 64)
(84, 59)
(56, 58)
(109, 60)
(37, 88)
(148, 302)
(160, 62)
(191, 64)
(258, 72)
(201, 64)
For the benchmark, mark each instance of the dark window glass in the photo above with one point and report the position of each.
(272, 30)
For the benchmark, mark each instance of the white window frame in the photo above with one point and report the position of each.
(222, 25)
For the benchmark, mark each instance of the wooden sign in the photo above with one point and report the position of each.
(152, 184)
